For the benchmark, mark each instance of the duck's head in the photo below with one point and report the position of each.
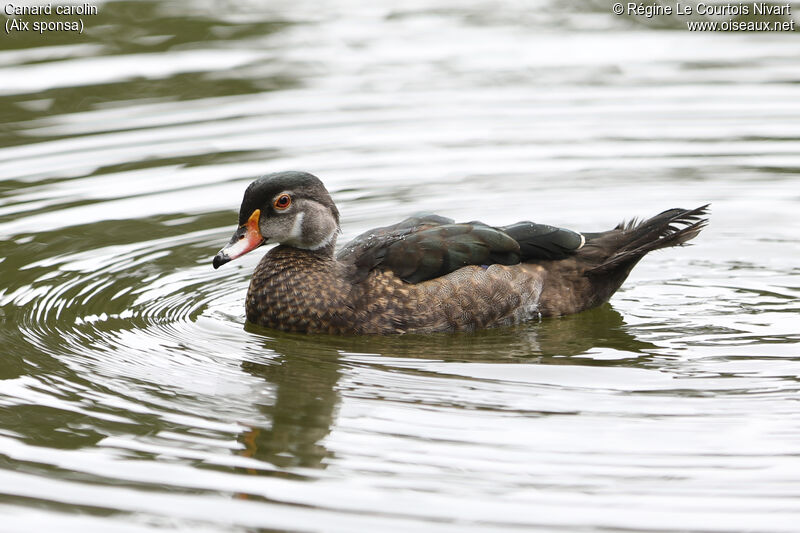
(291, 208)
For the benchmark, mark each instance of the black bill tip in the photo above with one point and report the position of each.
(220, 259)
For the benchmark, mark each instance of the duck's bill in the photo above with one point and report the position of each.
(246, 238)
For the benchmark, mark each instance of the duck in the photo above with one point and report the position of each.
(426, 273)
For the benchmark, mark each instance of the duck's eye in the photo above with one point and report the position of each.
(282, 202)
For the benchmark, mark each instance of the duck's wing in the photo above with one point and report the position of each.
(426, 247)
(540, 241)
(370, 242)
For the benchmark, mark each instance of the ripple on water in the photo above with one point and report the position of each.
(162, 397)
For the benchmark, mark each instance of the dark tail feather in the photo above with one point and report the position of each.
(673, 227)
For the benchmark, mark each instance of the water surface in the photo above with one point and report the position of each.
(133, 397)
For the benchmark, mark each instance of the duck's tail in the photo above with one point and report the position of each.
(630, 241)
(594, 273)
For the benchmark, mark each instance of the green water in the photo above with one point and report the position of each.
(133, 397)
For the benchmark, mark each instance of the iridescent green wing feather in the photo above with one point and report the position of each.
(427, 247)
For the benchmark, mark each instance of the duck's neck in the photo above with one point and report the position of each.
(315, 234)
(284, 258)
(323, 251)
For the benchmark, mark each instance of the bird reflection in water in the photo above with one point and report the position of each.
(304, 372)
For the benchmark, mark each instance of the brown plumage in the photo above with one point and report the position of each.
(426, 274)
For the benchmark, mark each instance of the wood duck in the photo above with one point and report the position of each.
(426, 273)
